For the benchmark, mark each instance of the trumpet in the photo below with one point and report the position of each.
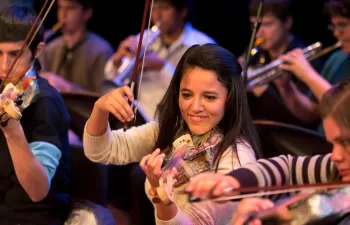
(269, 72)
(57, 26)
(255, 50)
(50, 34)
(127, 66)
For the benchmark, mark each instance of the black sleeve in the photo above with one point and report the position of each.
(47, 120)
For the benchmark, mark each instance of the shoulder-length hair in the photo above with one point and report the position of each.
(236, 125)
(335, 103)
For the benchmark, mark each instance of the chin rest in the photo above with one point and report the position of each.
(280, 138)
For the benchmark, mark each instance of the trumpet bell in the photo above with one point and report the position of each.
(269, 72)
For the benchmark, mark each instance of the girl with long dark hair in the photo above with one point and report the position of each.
(206, 100)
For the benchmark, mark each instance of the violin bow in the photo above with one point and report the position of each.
(29, 39)
(137, 60)
(272, 190)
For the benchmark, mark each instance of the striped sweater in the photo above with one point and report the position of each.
(285, 170)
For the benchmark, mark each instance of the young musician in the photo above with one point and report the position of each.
(287, 169)
(79, 56)
(336, 68)
(176, 36)
(273, 101)
(34, 152)
(206, 100)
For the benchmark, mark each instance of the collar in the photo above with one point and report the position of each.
(79, 43)
(186, 38)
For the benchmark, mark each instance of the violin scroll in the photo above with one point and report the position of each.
(15, 98)
(11, 110)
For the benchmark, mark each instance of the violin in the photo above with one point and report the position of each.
(26, 90)
(171, 177)
(187, 159)
(322, 207)
(319, 203)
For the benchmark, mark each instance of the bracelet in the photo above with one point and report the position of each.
(153, 192)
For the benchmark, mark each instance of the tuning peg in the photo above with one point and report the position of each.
(19, 100)
(4, 123)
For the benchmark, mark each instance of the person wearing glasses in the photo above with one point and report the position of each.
(337, 67)
(272, 101)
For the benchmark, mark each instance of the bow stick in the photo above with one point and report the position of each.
(272, 190)
(28, 40)
(137, 60)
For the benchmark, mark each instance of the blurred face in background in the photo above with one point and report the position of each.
(171, 20)
(72, 15)
(273, 31)
(341, 31)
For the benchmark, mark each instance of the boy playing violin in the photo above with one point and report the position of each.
(34, 151)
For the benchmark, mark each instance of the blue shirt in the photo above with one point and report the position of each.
(336, 69)
(48, 155)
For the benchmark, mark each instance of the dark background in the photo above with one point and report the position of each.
(224, 20)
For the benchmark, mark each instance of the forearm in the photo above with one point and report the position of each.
(166, 212)
(299, 104)
(29, 171)
(97, 140)
(317, 84)
(259, 90)
(284, 170)
(173, 215)
(97, 123)
(74, 87)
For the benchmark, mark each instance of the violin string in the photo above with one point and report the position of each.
(143, 60)
(265, 193)
(33, 36)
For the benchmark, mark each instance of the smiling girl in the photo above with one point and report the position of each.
(206, 100)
